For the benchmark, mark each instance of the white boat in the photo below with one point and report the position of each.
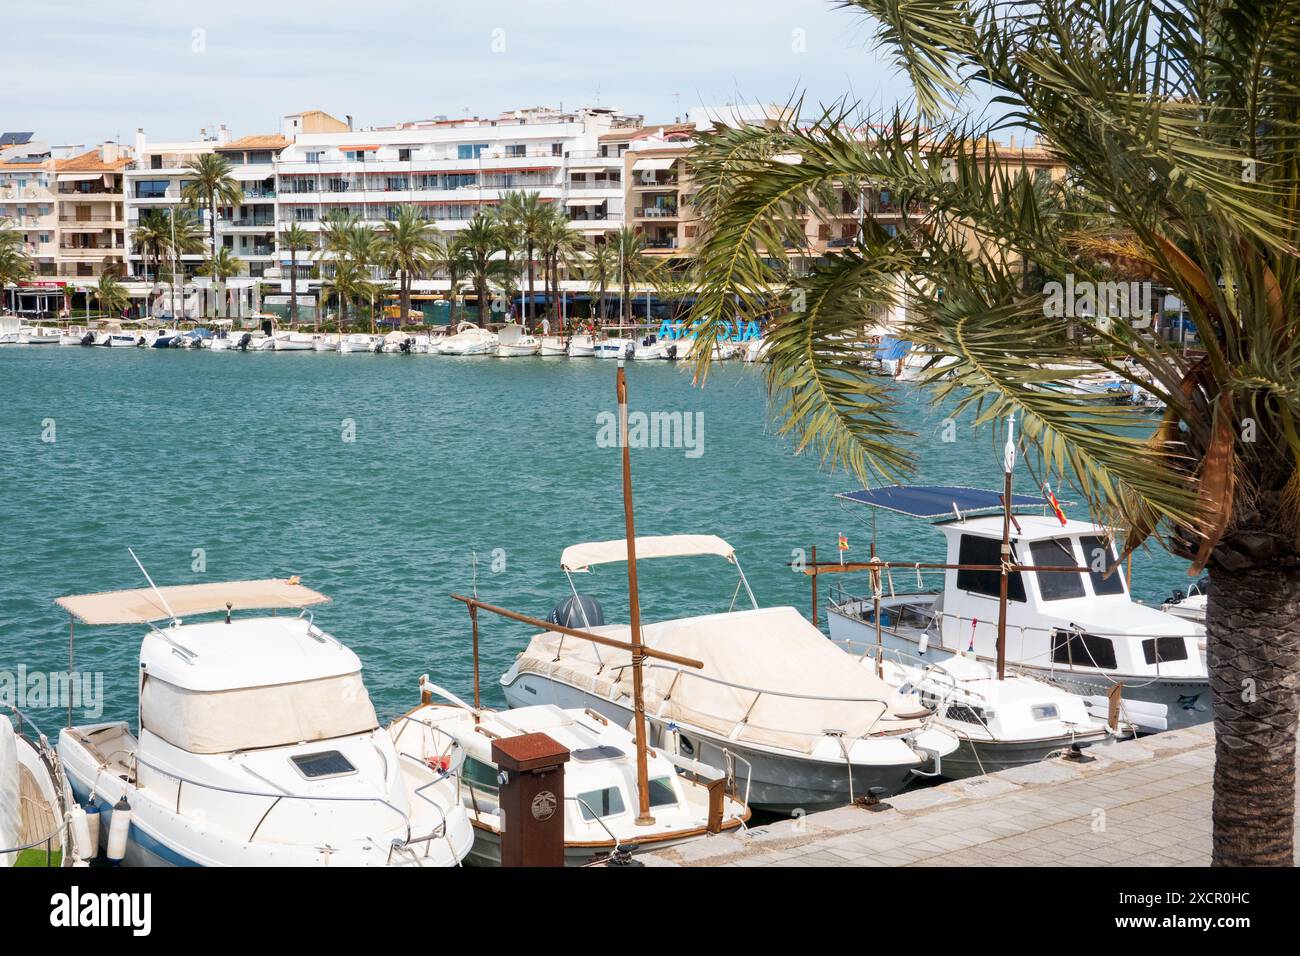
(582, 346)
(553, 346)
(775, 703)
(258, 744)
(1001, 723)
(468, 339)
(756, 350)
(118, 340)
(357, 342)
(514, 342)
(651, 349)
(326, 343)
(293, 342)
(600, 779)
(614, 348)
(397, 343)
(39, 335)
(1081, 632)
(38, 813)
(722, 351)
(73, 335)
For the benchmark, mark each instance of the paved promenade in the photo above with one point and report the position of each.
(1140, 803)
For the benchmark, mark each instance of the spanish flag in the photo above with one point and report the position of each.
(844, 543)
(1056, 505)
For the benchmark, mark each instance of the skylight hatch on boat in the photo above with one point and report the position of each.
(603, 752)
(322, 765)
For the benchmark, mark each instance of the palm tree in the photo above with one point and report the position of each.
(410, 245)
(224, 265)
(601, 269)
(296, 238)
(183, 236)
(346, 282)
(633, 266)
(110, 294)
(151, 236)
(559, 245)
(1178, 124)
(524, 215)
(449, 257)
(15, 263)
(478, 244)
(212, 184)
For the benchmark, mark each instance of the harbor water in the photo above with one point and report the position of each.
(389, 482)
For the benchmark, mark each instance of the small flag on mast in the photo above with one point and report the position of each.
(1056, 505)
(844, 546)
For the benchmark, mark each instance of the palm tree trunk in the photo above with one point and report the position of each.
(293, 290)
(480, 288)
(1253, 632)
(404, 281)
(528, 309)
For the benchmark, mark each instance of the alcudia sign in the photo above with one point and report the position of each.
(737, 331)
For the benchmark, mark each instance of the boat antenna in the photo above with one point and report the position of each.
(162, 600)
(1008, 466)
(643, 819)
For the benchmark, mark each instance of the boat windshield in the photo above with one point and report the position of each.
(1099, 554)
(1057, 585)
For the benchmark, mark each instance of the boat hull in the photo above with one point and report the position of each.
(974, 758)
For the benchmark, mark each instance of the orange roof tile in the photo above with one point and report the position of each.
(91, 162)
(256, 141)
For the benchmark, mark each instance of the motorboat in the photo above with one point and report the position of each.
(756, 351)
(39, 335)
(356, 342)
(40, 823)
(194, 338)
(1190, 605)
(1082, 632)
(293, 342)
(649, 348)
(514, 342)
(398, 343)
(118, 340)
(553, 346)
(582, 346)
(614, 348)
(73, 335)
(258, 744)
(1001, 724)
(688, 800)
(325, 343)
(722, 351)
(775, 703)
(163, 338)
(468, 339)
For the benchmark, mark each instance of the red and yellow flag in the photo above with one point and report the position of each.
(1056, 505)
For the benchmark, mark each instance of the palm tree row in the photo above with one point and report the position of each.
(15, 263)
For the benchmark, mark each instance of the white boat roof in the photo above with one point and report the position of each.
(1032, 527)
(582, 557)
(247, 652)
(142, 605)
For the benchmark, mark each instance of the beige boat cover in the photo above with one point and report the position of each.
(773, 650)
(581, 557)
(249, 718)
(143, 605)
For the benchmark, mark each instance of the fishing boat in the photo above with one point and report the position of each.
(688, 799)
(357, 342)
(582, 346)
(553, 346)
(73, 335)
(1068, 622)
(774, 701)
(649, 348)
(118, 340)
(39, 335)
(293, 342)
(326, 343)
(40, 822)
(258, 744)
(514, 342)
(614, 347)
(468, 339)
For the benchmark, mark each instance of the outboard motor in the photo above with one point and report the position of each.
(140, 342)
(1178, 597)
(406, 346)
(578, 611)
(245, 341)
(671, 352)
(629, 350)
(88, 338)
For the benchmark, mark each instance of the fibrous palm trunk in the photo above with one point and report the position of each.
(1253, 632)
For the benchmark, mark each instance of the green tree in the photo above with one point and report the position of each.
(634, 266)
(523, 215)
(296, 239)
(212, 184)
(1179, 125)
(410, 247)
(15, 263)
(110, 294)
(601, 270)
(560, 247)
(479, 245)
(224, 265)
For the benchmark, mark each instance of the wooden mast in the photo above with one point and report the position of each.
(643, 819)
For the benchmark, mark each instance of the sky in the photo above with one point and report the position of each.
(82, 72)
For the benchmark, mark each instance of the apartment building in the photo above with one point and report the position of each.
(27, 198)
(248, 230)
(90, 197)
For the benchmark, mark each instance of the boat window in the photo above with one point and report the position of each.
(1044, 712)
(600, 803)
(1099, 555)
(1157, 649)
(326, 763)
(1082, 650)
(662, 793)
(587, 754)
(479, 775)
(974, 549)
(966, 713)
(1057, 585)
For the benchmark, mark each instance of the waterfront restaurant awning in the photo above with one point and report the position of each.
(582, 557)
(358, 149)
(937, 501)
(584, 202)
(653, 164)
(143, 605)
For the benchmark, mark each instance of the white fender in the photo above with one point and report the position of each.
(119, 827)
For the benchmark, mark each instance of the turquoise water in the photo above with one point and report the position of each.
(243, 456)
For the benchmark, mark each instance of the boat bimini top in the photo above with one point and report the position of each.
(146, 605)
(929, 502)
(581, 558)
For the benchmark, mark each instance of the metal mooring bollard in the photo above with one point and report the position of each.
(532, 798)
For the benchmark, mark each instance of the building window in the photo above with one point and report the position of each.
(395, 183)
(404, 154)
(470, 150)
(303, 214)
(151, 189)
(314, 155)
(516, 150)
(155, 162)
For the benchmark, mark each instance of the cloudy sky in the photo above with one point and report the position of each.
(88, 71)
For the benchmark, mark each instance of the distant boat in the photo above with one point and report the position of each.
(582, 346)
(614, 348)
(468, 339)
(553, 346)
(514, 342)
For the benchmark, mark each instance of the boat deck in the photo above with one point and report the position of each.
(1142, 802)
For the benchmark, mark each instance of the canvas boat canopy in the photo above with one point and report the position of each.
(937, 501)
(582, 557)
(654, 164)
(143, 605)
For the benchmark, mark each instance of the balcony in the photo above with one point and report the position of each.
(655, 212)
(665, 182)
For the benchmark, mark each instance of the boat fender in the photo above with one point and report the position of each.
(79, 831)
(119, 826)
(92, 824)
(923, 644)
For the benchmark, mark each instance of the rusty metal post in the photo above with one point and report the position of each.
(532, 799)
(814, 585)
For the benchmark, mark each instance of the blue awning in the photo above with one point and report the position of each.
(937, 501)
